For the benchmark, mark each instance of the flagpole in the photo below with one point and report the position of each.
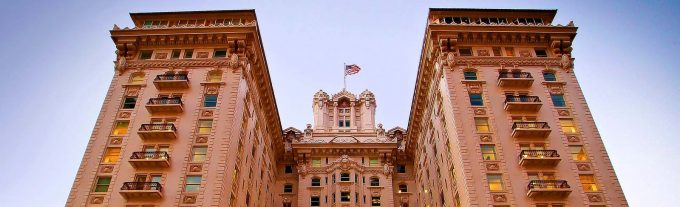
(344, 78)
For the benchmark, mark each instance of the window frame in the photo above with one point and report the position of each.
(203, 127)
(486, 155)
(481, 123)
(197, 152)
(461, 49)
(97, 184)
(143, 54)
(470, 75)
(287, 188)
(558, 100)
(568, 126)
(591, 184)
(549, 76)
(209, 103)
(190, 185)
(374, 181)
(220, 50)
(498, 181)
(476, 99)
(315, 182)
(110, 158)
(120, 131)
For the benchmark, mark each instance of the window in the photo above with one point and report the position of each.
(121, 128)
(175, 53)
(495, 182)
(465, 51)
(568, 126)
(204, 126)
(558, 100)
(549, 76)
(401, 168)
(315, 201)
(112, 155)
(345, 197)
(470, 75)
(541, 52)
(457, 20)
(316, 181)
(344, 177)
(344, 115)
(145, 54)
(288, 188)
(482, 124)
(215, 76)
(578, 153)
(373, 162)
(375, 200)
(496, 51)
(137, 78)
(288, 169)
(102, 184)
(375, 181)
(220, 53)
(129, 102)
(210, 101)
(193, 183)
(588, 183)
(198, 154)
(476, 99)
(510, 52)
(488, 152)
(188, 53)
(316, 162)
(403, 188)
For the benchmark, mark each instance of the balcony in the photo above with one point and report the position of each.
(517, 79)
(522, 103)
(150, 159)
(157, 131)
(530, 130)
(164, 105)
(171, 81)
(144, 190)
(539, 158)
(548, 189)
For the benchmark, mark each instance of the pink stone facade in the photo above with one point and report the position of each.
(497, 119)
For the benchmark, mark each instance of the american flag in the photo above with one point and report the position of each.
(352, 69)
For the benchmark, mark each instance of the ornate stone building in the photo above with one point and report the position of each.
(497, 119)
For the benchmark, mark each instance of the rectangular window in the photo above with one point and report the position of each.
(198, 154)
(510, 52)
(488, 152)
(375, 201)
(482, 124)
(495, 182)
(541, 52)
(175, 53)
(111, 156)
(558, 100)
(121, 128)
(210, 101)
(588, 183)
(188, 53)
(496, 51)
(476, 99)
(102, 184)
(315, 201)
(193, 183)
(220, 53)
(145, 54)
(129, 102)
(401, 168)
(317, 181)
(288, 169)
(287, 188)
(373, 162)
(465, 51)
(578, 153)
(568, 126)
(316, 162)
(204, 126)
(470, 75)
(345, 197)
(549, 76)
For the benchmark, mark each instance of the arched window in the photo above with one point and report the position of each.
(403, 188)
(344, 177)
(375, 181)
(316, 181)
(215, 76)
(288, 188)
(137, 78)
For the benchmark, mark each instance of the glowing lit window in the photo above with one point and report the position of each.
(102, 184)
(215, 76)
(112, 155)
(204, 126)
(137, 78)
(578, 153)
(482, 124)
(193, 183)
(488, 152)
(121, 128)
(495, 182)
(198, 154)
(568, 126)
(588, 183)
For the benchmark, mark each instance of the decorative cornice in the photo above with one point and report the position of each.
(532, 61)
(184, 63)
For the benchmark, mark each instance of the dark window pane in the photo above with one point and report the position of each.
(470, 75)
(220, 53)
(210, 101)
(549, 77)
(465, 51)
(145, 54)
(130, 102)
(558, 100)
(476, 99)
(188, 54)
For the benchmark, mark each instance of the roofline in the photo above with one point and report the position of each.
(493, 10)
(192, 12)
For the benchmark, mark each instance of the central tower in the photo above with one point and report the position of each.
(344, 112)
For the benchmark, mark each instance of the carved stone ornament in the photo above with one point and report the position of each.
(524, 53)
(106, 169)
(116, 141)
(132, 91)
(583, 167)
(482, 52)
(474, 88)
(485, 138)
(302, 168)
(202, 55)
(556, 90)
(480, 111)
(387, 169)
(195, 168)
(97, 200)
(308, 131)
(450, 59)
(207, 113)
(201, 139)
(500, 198)
(566, 63)
(563, 112)
(594, 198)
(189, 199)
(161, 55)
(380, 130)
(121, 63)
(124, 115)
(573, 138)
(492, 166)
(212, 89)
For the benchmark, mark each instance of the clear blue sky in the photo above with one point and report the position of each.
(57, 63)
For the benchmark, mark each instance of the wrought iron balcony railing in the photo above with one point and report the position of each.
(148, 186)
(548, 184)
(157, 127)
(523, 99)
(538, 154)
(172, 77)
(530, 125)
(515, 75)
(160, 155)
(164, 101)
